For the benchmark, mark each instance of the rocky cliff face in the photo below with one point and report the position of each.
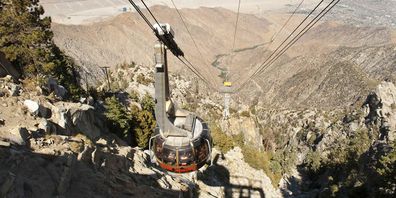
(69, 149)
(330, 67)
(52, 148)
(318, 143)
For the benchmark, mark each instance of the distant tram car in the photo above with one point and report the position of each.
(227, 84)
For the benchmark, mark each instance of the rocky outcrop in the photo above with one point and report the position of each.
(59, 91)
(73, 118)
(231, 176)
(7, 86)
(51, 168)
(36, 109)
(386, 92)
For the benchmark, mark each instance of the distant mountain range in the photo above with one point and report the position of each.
(334, 64)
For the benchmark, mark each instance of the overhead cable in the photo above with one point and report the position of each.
(236, 24)
(287, 21)
(188, 30)
(276, 50)
(142, 15)
(273, 58)
(304, 31)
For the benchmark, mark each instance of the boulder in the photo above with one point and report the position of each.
(65, 122)
(90, 101)
(78, 118)
(4, 144)
(7, 78)
(2, 122)
(13, 89)
(87, 121)
(381, 108)
(36, 109)
(32, 106)
(59, 91)
(17, 136)
(83, 100)
(386, 92)
(49, 127)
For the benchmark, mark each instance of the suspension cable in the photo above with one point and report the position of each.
(210, 85)
(142, 15)
(287, 21)
(196, 46)
(292, 42)
(236, 24)
(304, 31)
(276, 50)
(152, 15)
(188, 30)
(189, 65)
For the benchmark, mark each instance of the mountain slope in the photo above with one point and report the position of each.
(127, 38)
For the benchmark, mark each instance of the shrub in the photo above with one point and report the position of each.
(134, 126)
(261, 160)
(393, 106)
(147, 103)
(119, 119)
(254, 157)
(245, 114)
(386, 168)
(134, 95)
(144, 128)
(313, 161)
(220, 140)
(143, 80)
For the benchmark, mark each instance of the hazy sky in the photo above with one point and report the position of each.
(76, 11)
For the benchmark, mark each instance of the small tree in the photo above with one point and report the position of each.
(27, 41)
(120, 119)
(145, 127)
(147, 103)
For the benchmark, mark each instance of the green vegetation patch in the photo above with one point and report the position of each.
(134, 126)
(255, 158)
(27, 42)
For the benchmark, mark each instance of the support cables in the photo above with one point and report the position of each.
(187, 63)
(288, 37)
(234, 40)
(278, 53)
(165, 40)
(236, 24)
(196, 46)
(188, 30)
(142, 15)
(287, 21)
(304, 31)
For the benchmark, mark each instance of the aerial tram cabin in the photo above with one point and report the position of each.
(181, 142)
